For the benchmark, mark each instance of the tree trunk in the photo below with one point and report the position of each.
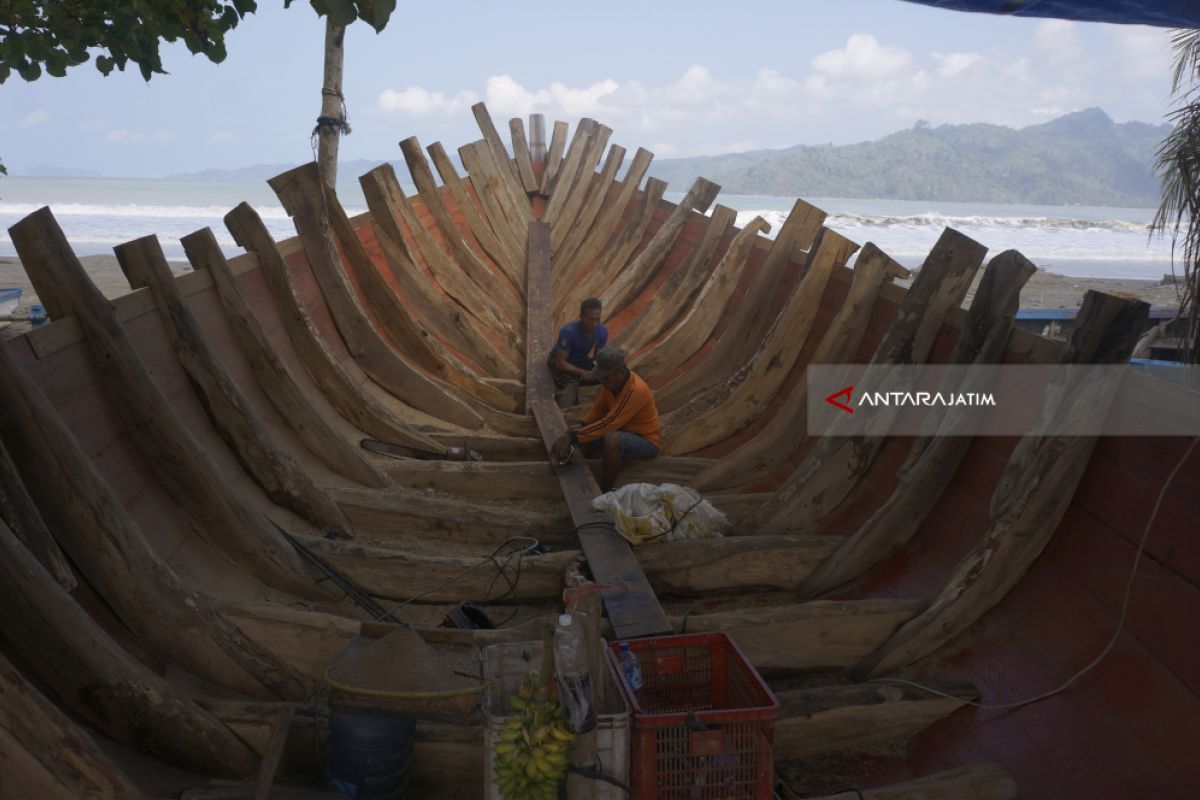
(332, 104)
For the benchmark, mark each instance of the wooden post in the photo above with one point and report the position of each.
(537, 137)
(332, 121)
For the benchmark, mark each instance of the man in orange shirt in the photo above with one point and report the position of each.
(623, 421)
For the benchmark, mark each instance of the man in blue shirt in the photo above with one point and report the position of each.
(574, 353)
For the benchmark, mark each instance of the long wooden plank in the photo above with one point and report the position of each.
(581, 188)
(570, 272)
(836, 465)
(697, 325)
(788, 430)
(569, 171)
(494, 143)
(97, 678)
(313, 425)
(1033, 493)
(616, 256)
(111, 552)
(304, 197)
(183, 468)
(634, 612)
(494, 208)
(503, 289)
(859, 716)
(69, 764)
(933, 461)
(483, 315)
(272, 468)
(18, 510)
(741, 332)
(558, 143)
(480, 229)
(724, 409)
(340, 379)
(529, 181)
(587, 215)
(675, 296)
(639, 272)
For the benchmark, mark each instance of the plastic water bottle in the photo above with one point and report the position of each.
(574, 678)
(630, 667)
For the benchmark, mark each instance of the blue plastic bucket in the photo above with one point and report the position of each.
(368, 754)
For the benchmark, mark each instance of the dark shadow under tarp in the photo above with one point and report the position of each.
(1164, 13)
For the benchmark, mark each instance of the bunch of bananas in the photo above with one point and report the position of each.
(530, 755)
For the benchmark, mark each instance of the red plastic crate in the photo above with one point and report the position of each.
(703, 721)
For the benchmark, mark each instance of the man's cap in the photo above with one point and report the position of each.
(609, 360)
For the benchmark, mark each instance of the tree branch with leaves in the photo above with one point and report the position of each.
(1178, 165)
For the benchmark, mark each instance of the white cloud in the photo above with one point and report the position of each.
(1142, 52)
(1059, 40)
(222, 136)
(416, 100)
(33, 119)
(954, 63)
(863, 58)
(124, 136)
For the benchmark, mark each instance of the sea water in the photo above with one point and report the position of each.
(1082, 241)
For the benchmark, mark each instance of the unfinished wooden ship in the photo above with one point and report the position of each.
(171, 456)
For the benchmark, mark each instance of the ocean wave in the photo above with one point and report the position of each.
(128, 210)
(933, 219)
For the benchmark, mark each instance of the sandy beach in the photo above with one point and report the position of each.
(1044, 290)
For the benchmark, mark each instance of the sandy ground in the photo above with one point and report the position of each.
(1048, 290)
(1044, 290)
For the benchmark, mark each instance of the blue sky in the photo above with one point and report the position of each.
(680, 78)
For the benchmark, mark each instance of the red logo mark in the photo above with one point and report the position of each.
(833, 401)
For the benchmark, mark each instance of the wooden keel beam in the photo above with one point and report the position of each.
(634, 278)
(675, 295)
(634, 612)
(932, 462)
(836, 465)
(860, 716)
(111, 552)
(273, 469)
(98, 679)
(44, 754)
(182, 466)
(1033, 494)
(779, 440)
(306, 200)
(972, 782)
(346, 391)
(312, 425)
(722, 410)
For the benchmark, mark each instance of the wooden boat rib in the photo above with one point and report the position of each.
(155, 448)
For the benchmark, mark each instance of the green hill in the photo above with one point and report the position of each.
(1082, 158)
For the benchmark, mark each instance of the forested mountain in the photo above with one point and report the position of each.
(1082, 158)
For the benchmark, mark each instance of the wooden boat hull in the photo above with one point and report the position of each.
(221, 408)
